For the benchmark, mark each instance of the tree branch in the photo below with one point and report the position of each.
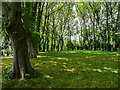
(56, 10)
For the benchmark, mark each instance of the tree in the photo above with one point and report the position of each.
(13, 24)
(51, 25)
(40, 12)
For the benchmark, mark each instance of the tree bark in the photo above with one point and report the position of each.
(43, 31)
(111, 24)
(52, 42)
(107, 28)
(53, 35)
(40, 12)
(32, 52)
(47, 33)
(21, 64)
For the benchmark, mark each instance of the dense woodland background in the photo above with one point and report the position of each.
(56, 26)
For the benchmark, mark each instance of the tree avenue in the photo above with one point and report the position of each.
(34, 27)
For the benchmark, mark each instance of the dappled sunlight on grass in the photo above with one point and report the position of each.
(48, 76)
(60, 58)
(11, 57)
(95, 52)
(42, 56)
(70, 51)
(41, 52)
(70, 68)
(52, 62)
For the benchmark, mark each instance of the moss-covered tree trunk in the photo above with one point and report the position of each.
(21, 64)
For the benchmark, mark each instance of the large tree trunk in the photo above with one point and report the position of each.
(14, 27)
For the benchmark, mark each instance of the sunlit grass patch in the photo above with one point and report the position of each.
(62, 58)
(6, 57)
(42, 56)
(70, 69)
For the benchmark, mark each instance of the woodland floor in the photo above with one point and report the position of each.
(68, 69)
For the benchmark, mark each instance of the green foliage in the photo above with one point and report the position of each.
(5, 74)
(27, 75)
(36, 73)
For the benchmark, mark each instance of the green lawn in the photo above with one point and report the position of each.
(69, 69)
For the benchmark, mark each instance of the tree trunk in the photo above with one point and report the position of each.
(21, 64)
(52, 42)
(69, 40)
(62, 43)
(58, 43)
(107, 28)
(62, 39)
(40, 12)
(53, 34)
(32, 52)
(119, 25)
(111, 24)
(89, 39)
(47, 32)
(94, 47)
(43, 32)
(81, 43)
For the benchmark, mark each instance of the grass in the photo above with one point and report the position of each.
(70, 69)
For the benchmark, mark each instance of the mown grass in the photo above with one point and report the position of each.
(70, 69)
